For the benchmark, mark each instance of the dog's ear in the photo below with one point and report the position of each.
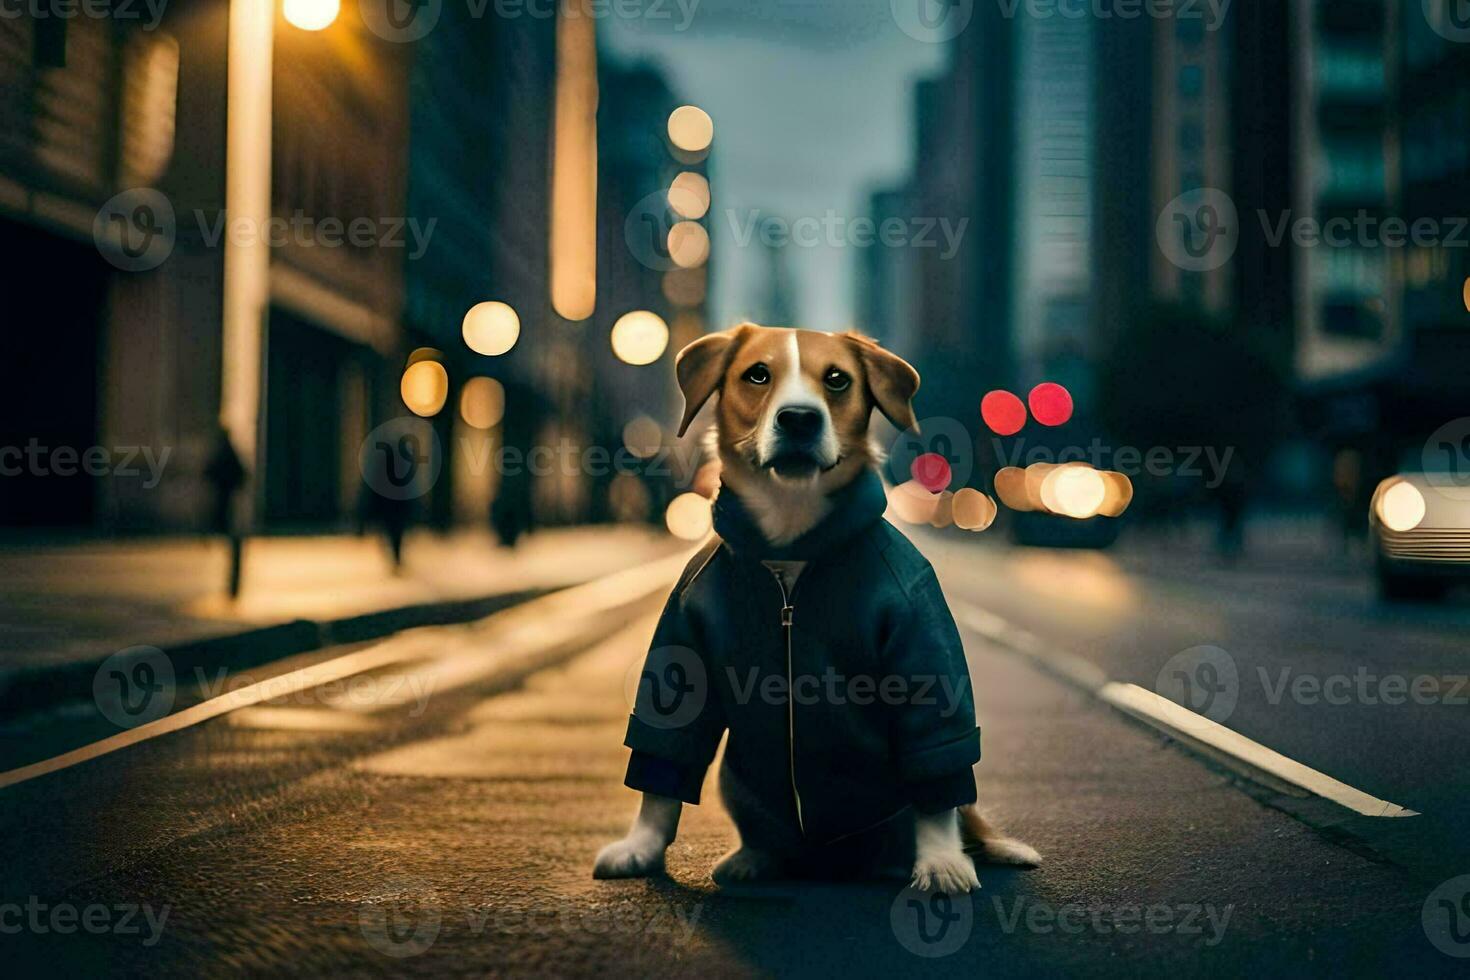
(701, 367)
(892, 381)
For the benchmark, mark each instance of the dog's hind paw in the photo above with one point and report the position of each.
(631, 857)
(745, 865)
(945, 871)
(1008, 850)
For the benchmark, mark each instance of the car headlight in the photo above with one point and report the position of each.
(1401, 507)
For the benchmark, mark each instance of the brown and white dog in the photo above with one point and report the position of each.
(792, 427)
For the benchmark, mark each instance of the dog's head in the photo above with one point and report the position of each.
(795, 404)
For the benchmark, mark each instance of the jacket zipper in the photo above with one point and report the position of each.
(788, 613)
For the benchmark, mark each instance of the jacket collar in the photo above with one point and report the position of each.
(855, 508)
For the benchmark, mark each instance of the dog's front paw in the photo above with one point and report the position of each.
(635, 856)
(745, 865)
(945, 871)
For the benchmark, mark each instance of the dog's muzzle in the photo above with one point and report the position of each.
(798, 443)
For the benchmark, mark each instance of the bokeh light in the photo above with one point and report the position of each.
(1051, 404)
(1465, 293)
(640, 337)
(931, 471)
(689, 195)
(491, 328)
(1074, 490)
(643, 437)
(1010, 487)
(482, 403)
(1003, 412)
(688, 517)
(311, 15)
(973, 510)
(424, 387)
(1401, 507)
(684, 287)
(912, 502)
(1119, 495)
(691, 129)
(943, 515)
(688, 244)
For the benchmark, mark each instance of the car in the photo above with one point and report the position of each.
(1419, 526)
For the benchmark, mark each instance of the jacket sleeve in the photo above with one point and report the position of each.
(677, 719)
(934, 740)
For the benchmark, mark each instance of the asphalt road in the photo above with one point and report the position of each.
(442, 818)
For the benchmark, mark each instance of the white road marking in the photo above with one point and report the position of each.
(599, 595)
(1245, 755)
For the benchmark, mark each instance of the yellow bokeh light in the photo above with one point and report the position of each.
(491, 328)
(688, 244)
(1401, 507)
(943, 515)
(643, 437)
(973, 510)
(912, 502)
(691, 129)
(689, 195)
(640, 337)
(1465, 291)
(1073, 491)
(688, 517)
(311, 15)
(1010, 487)
(1119, 495)
(482, 403)
(684, 287)
(424, 387)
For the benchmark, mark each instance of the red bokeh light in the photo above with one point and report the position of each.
(1051, 404)
(1003, 412)
(931, 471)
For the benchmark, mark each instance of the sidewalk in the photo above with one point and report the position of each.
(64, 608)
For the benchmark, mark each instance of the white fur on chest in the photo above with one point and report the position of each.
(784, 513)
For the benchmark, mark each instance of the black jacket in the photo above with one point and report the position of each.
(883, 716)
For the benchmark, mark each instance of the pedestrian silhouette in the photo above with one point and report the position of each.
(226, 474)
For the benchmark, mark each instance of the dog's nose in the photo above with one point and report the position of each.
(799, 423)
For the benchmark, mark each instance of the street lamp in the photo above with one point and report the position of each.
(311, 15)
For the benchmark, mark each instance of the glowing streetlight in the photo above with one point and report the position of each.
(688, 244)
(689, 195)
(640, 337)
(688, 517)
(491, 328)
(424, 387)
(691, 129)
(482, 403)
(311, 15)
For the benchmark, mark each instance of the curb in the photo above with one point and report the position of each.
(31, 690)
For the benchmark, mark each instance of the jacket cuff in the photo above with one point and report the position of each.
(650, 774)
(672, 744)
(944, 793)
(941, 760)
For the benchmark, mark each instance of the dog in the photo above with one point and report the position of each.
(824, 787)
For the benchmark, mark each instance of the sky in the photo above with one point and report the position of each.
(812, 104)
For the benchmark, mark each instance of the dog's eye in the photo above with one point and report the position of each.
(757, 374)
(836, 380)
